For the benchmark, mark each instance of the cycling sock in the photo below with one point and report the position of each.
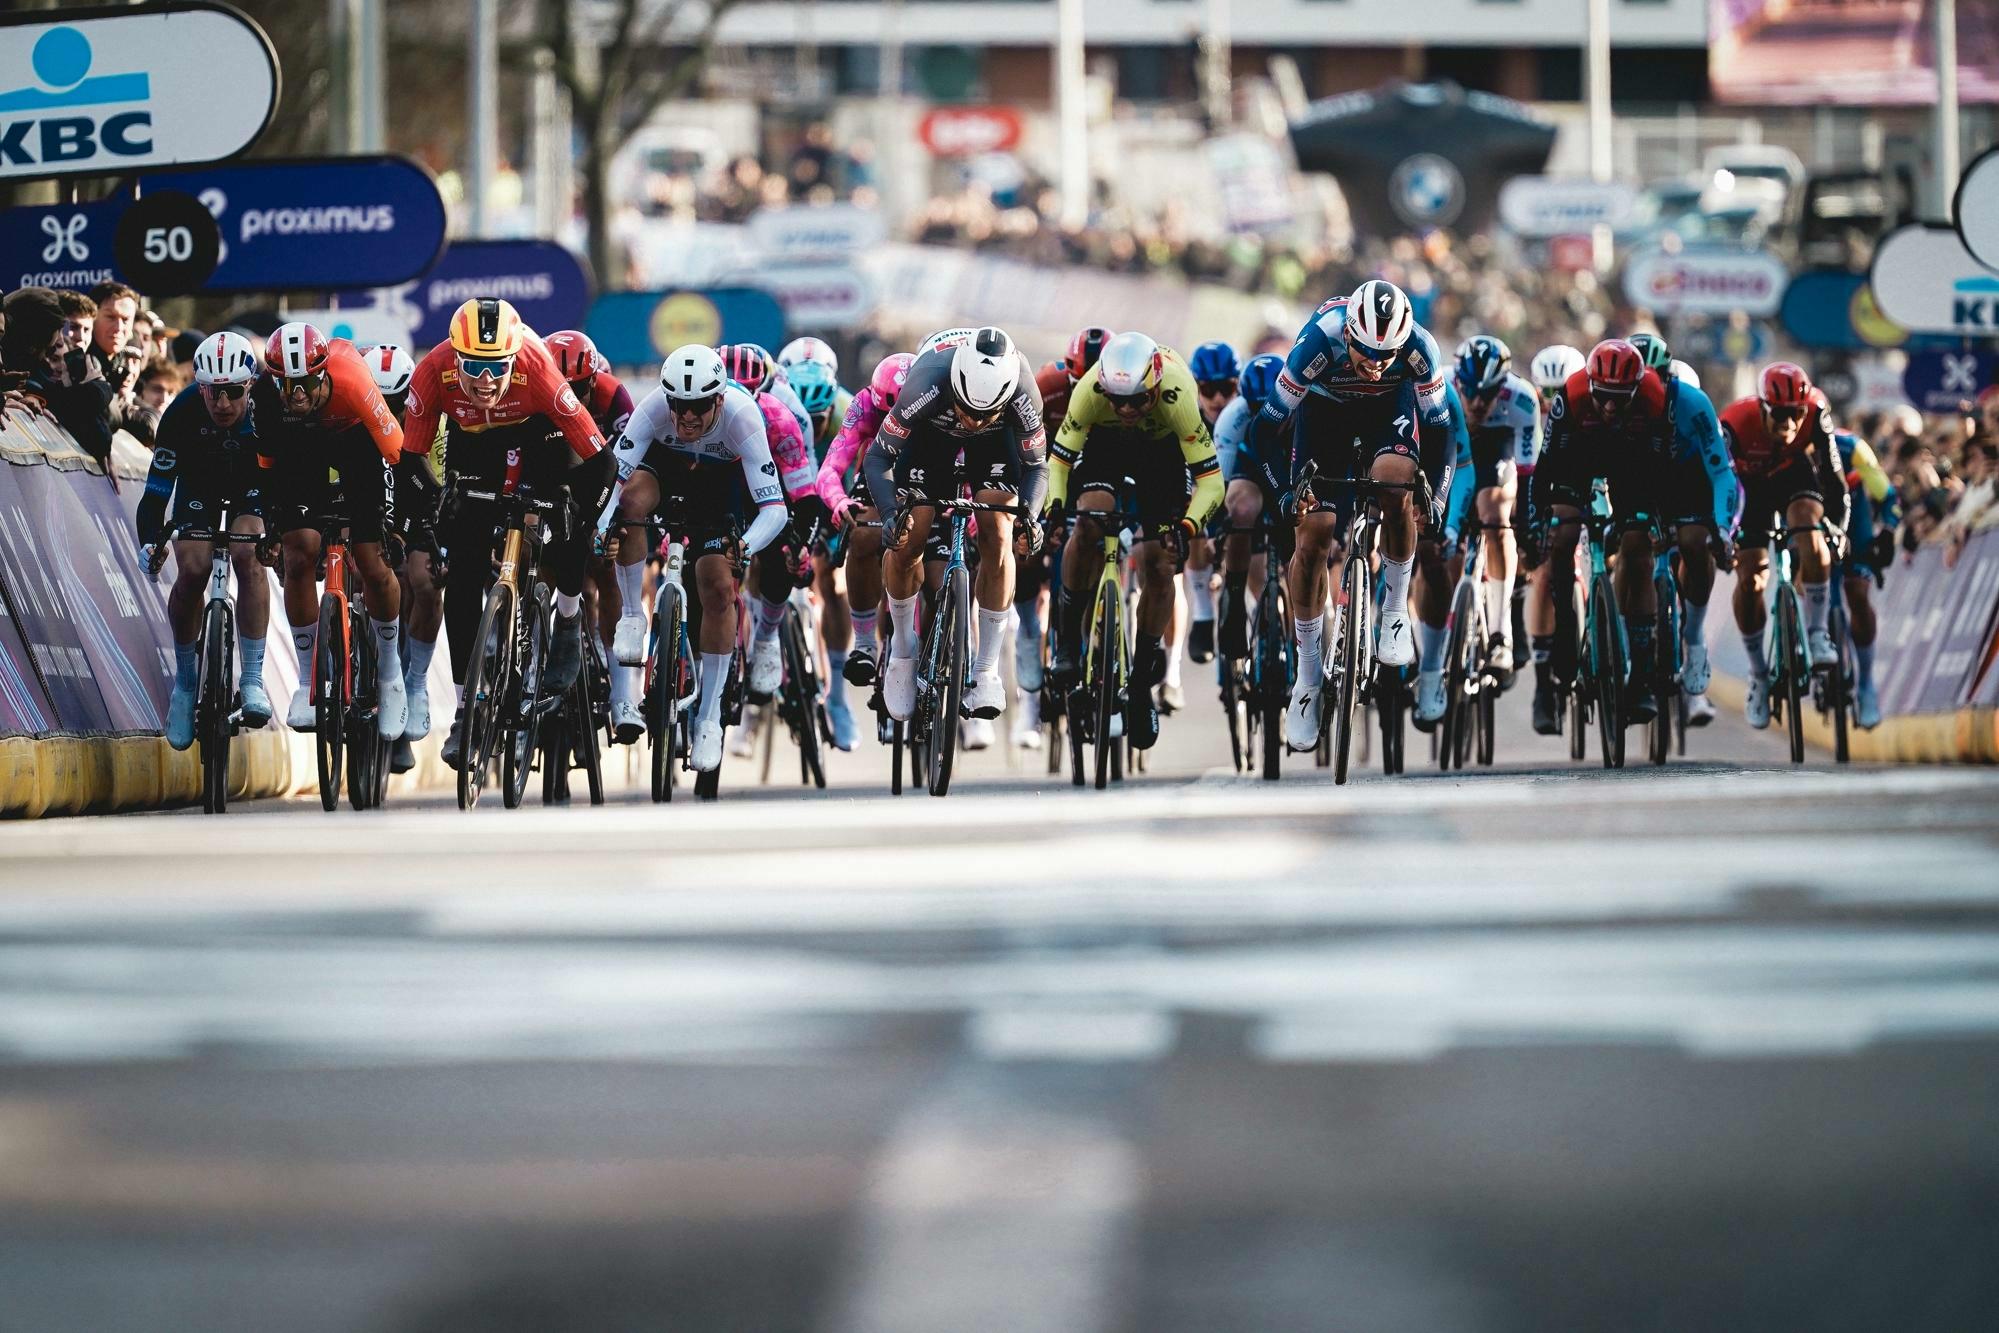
(631, 588)
(864, 629)
(769, 615)
(1638, 629)
(418, 665)
(625, 685)
(1693, 621)
(1498, 595)
(187, 666)
(253, 659)
(1863, 662)
(302, 640)
(1541, 647)
(992, 638)
(1174, 651)
(1753, 645)
(1236, 581)
(1395, 583)
(1200, 596)
(1309, 636)
(1818, 603)
(714, 673)
(1029, 612)
(567, 604)
(1430, 641)
(902, 640)
(388, 660)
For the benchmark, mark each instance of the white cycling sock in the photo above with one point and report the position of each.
(1693, 621)
(1498, 594)
(1818, 603)
(1199, 595)
(303, 637)
(253, 660)
(418, 665)
(769, 615)
(714, 672)
(1310, 636)
(1395, 583)
(389, 661)
(902, 640)
(992, 638)
(567, 604)
(1174, 652)
(864, 629)
(1430, 640)
(631, 588)
(1753, 645)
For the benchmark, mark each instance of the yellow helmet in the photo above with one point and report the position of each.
(487, 330)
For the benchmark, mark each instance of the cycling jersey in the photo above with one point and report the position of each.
(1863, 468)
(1319, 365)
(1757, 452)
(836, 416)
(778, 387)
(788, 449)
(608, 402)
(1697, 443)
(923, 432)
(1231, 427)
(536, 388)
(738, 436)
(353, 403)
(207, 464)
(1632, 451)
(1774, 475)
(1055, 385)
(1175, 414)
(1464, 475)
(1511, 431)
(857, 431)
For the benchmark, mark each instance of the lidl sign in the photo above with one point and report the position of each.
(97, 92)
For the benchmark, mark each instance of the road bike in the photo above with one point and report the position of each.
(345, 685)
(572, 736)
(1256, 688)
(1356, 679)
(1104, 710)
(1603, 656)
(1471, 682)
(218, 709)
(1669, 659)
(1793, 678)
(503, 709)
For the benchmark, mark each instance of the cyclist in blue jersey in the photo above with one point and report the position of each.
(1707, 509)
(1253, 489)
(1215, 372)
(1549, 370)
(1870, 551)
(1366, 385)
(1503, 412)
(1433, 578)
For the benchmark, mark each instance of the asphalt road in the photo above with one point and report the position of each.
(1713, 1047)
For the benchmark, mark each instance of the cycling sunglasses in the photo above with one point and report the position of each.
(485, 368)
(1135, 402)
(1215, 388)
(1785, 413)
(1360, 353)
(302, 384)
(693, 407)
(228, 393)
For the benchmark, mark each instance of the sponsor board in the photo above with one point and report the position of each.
(1925, 280)
(544, 281)
(640, 328)
(816, 296)
(809, 231)
(1974, 209)
(1545, 206)
(967, 131)
(1705, 282)
(1948, 381)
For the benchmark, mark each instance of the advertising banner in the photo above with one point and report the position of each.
(318, 224)
(33, 505)
(1705, 282)
(967, 131)
(1940, 381)
(1925, 280)
(1974, 209)
(1954, 651)
(1833, 310)
(1818, 52)
(1539, 207)
(816, 296)
(640, 328)
(545, 282)
(815, 231)
(100, 92)
(59, 245)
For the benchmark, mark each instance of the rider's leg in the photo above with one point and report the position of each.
(1308, 591)
(1752, 582)
(864, 582)
(253, 598)
(1082, 566)
(1433, 585)
(1696, 580)
(192, 560)
(902, 581)
(1563, 543)
(1398, 529)
(1637, 598)
(1502, 559)
(1244, 501)
(636, 503)
(993, 586)
(1814, 558)
(715, 585)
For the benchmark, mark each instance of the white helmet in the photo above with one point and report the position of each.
(1553, 366)
(946, 338)
(1128, 365)
(1686, 374)
(809, 349)
(225, 358)
(692, 371)
(985, 372)
(1379, 320)
(392, 368)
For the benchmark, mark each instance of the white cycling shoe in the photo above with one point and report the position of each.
(628, 645)
(743, 740)
(417, 725)
(1301, 719)
(1397, 645)
(1694, 670)
(1756, 704)
(899, 687)
(707, 746)
(1867, 707)
(987, 695)
(766, 668)
(976, 733)
(1700, 710)
(1430, 698)
(627, 722)
(1027, 720)
(392, 706)
(180, 717)
(302, 716)
(1819, 644)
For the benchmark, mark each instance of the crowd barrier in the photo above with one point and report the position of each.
(1934, 662)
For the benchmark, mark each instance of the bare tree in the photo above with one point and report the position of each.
(615, 86)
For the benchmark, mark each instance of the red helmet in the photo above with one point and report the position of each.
(748, 364)
(295, 351)
(1784, 384)
(575, 355)
(1615, 368)
(1084, 349)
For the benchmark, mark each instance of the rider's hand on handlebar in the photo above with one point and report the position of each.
(152, 555)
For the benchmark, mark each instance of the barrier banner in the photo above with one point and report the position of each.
(1957, 647)
(24, 708)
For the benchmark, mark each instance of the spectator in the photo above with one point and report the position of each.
(79, 314)
(39, 365)
(119, 358)
(158, 383)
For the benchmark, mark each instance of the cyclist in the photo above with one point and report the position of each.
(1134, 416)
(1876, 511)
(422, 598)
(772, 382)
(1551, 368)
(1215, 370)
(1057, 379)
(1612, 420)
(1781, 441)
(1361, 368)
(808, 351)
(508, 417)
(609, 404)
(978, 397)
(1252, 492)
(204, 460)
(827, 403)
(1705, 507)
(1503, 412)
(864, 417)
(675, 457)
(1433, 580)
(318, 411)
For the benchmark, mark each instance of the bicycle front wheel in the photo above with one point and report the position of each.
(1354, 588)
(1457, 675)
(663, 700)
(1109, 664)
(329, 698)
(801, 692)
(367, 758)
(485, 683)
(217, 701)
(1795, 668)
(1666, 646)
(1273, 677)
(1839, 684)
(949, 659)
(520, 714)
(1607, 671)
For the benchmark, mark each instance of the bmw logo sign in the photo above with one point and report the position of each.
(1427, 190)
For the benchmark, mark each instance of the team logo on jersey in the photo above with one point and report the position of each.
(565, 400)
(1559, 408)
(1318, 364)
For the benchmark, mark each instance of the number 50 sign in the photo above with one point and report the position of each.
(167, 244)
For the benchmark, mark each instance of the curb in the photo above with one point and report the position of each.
(1966, 736)
(44, 775)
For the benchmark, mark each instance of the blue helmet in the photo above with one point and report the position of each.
(1484, 362)
(1212, 362)
(1259, 378)
(814, 384)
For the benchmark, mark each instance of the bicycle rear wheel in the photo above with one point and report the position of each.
(1607, 672)
(520, 715)
(329, 698)
(1392, 708)
(367, 763)
(485, 684)
(1487, 711)
(217, 692)
(1795, 669)
(1578, 703)
(801, 691)
(1103, 703)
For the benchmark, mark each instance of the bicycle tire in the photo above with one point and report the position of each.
(802, 690)
(1390, 712)
(1457, 676)
(485, 681)
(1355, 582)
(589, 743)
(1607, 672)
(1839, 683)
(1795, 668)
(1488, 718)
(215, 702)
(953, 656)
(708, 786)
(897, 740)
(1110, 632)
(1273, 691)
(364, 735)
(1578, 702)
(329, 702)
(663, 703)
(521, 712)
(1666, 668)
